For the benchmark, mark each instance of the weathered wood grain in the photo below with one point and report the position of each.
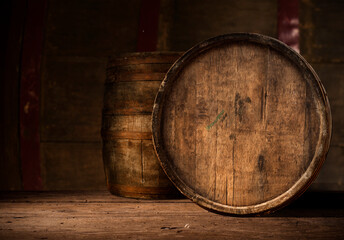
(137, 58)
(92, 27)
(79, 37)
(72, 99)
(332, 77)
(321, 41)
(131, 166)
(194, 21)
(322, 30)
(68, 166)
(166, 17)
(331, 176)
(241, 124)
(133, 97)
(98, 215)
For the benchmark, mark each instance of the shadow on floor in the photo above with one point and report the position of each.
(314, 204)
(310, 204)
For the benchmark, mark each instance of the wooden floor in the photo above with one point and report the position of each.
(99, 215)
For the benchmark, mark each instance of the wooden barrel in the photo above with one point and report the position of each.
(241, 124)
(131, 166)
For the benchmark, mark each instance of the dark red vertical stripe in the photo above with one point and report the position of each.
(30, 95)
(13, 20)
(148, 26)
(288, 23)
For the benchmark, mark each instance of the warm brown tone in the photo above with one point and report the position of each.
(131, 166)
(98, 215)
(322, 34)
(80, 35)
(241, 124)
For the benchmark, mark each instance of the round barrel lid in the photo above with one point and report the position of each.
(241, 124)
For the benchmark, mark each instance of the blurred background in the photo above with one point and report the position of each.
(54, 55)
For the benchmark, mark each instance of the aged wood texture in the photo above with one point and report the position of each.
(98, 215)
(92, 27)
(321, 42)
(166, 15)
(322, 30)
(194, 21)
(65, 81)
(72, 165)
(131, 166)
(241, 124)
(331, 176)
(79, 37)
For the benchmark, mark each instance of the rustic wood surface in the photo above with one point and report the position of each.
(99, 215)
(322, 30)
(85, 170)
(241, 124)
(79, 37)
(331, 176)
(194, 20)
(131, 166)
(321, 34)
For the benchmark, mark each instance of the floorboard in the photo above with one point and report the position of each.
(99, 215)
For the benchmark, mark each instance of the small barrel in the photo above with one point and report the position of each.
(130, 163)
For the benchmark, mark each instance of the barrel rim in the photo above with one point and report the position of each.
(324, 134)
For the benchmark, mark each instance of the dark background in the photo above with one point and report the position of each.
(53, 59)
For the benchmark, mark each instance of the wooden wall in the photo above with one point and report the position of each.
(80, 35)
(322, 38)
(195, 21)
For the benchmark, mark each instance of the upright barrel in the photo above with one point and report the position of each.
(241, 124)
(130, 163)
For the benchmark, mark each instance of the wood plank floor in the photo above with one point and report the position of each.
(99, 215)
